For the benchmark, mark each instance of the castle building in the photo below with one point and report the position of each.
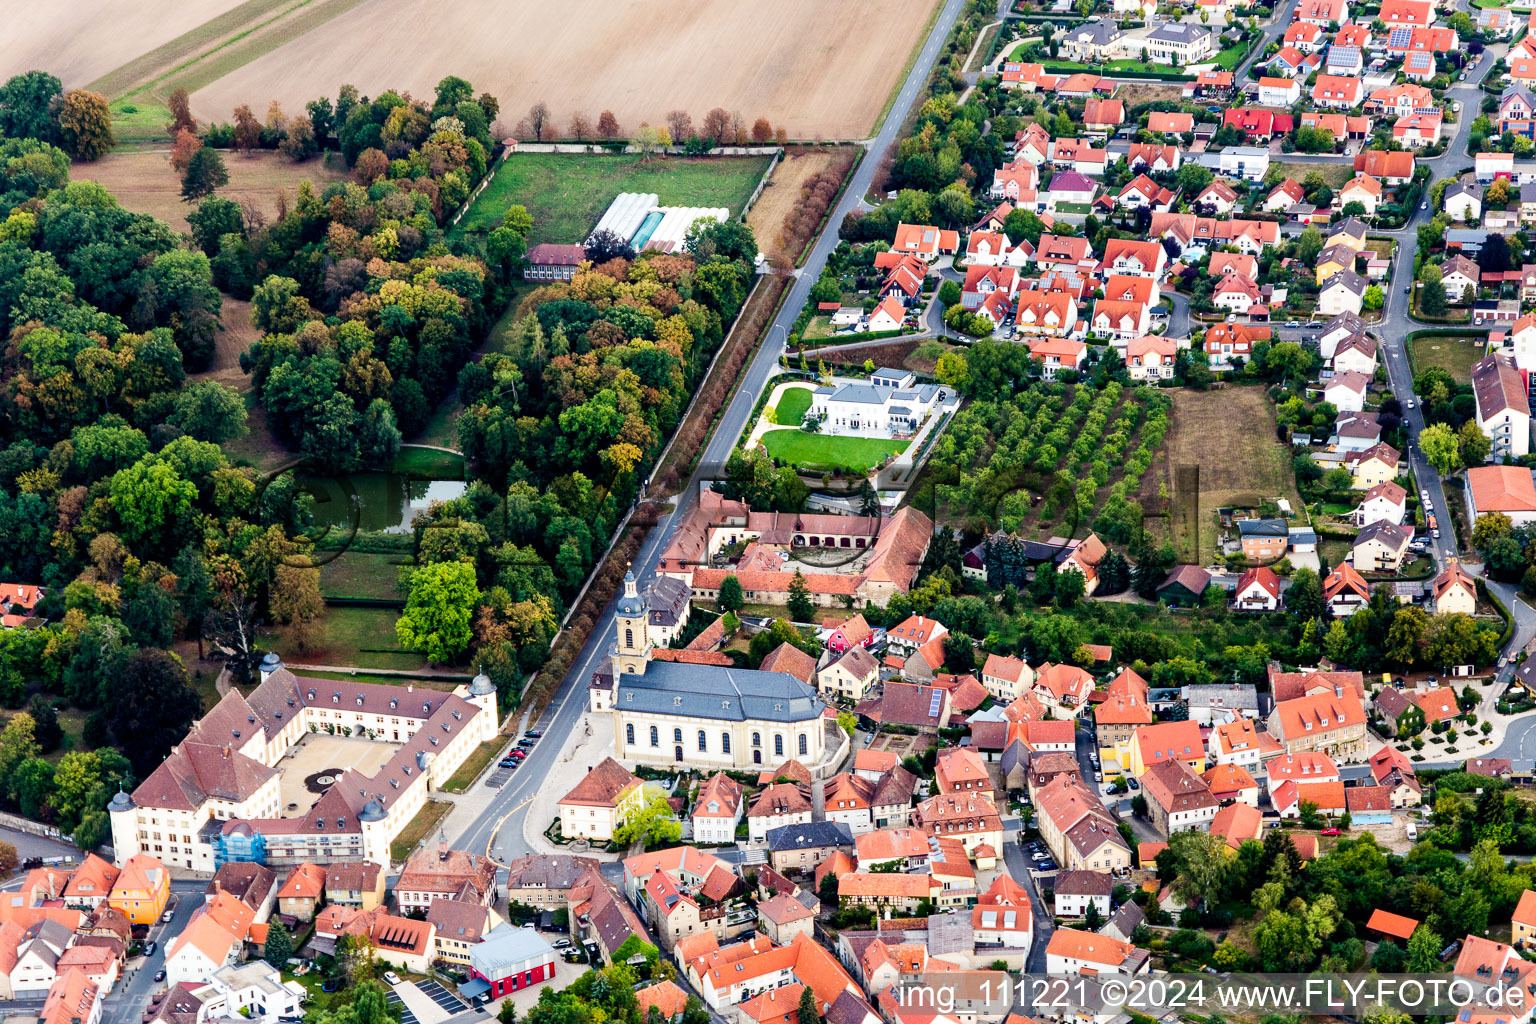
(218, 796)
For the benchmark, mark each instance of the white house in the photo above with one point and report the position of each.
(1344, 292)
(252, 991)
(1503, 407)
(864, 410)
(1074, 952)
(1386, 502)
(1346, 391)
(1076, 891)
(1278, 92)
(1258, 590)
(1356, 355)
(717, 810)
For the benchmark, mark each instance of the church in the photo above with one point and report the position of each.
(706, 716)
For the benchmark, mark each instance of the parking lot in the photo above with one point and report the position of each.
(424, 1002)
(509, 764)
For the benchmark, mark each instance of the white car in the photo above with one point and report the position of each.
(392, 977)
(1408, 404)
(1435, 534)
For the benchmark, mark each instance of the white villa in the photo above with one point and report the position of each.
(891, 403)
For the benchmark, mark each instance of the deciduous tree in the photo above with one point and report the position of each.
(581, 126)
(717, 126)
(247, 129)
(762, 131)
(538, 120)
(680, 125)
(608, 126)
(85, 125)
(438, 612)
(1441, 447)
(184, 149)
(26, 106)
(181, 114)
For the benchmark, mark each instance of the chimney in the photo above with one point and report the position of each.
(225, 752)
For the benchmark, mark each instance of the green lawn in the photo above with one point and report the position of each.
(567, 193)
(793, 403)
(363, 574)
(1145, 67)
(1454, 354)
(818, 451)
(429, 464)
(364, 637)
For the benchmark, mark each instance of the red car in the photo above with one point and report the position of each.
(1330, 832)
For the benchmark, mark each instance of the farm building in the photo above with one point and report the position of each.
(638, 220)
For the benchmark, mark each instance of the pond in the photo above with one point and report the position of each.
(386, 501)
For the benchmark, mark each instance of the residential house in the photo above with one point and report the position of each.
(1153, 744)
(1503, 406)
(601, 802)
(1459, 275)
(719, 806)
(1078, 829)
(1454, 591)
(1380, 547)
(801, 847)
(1391, 166)
(1375, 465)
(1258, 590)
(1331, 723)
(1076, 891)
(925, 241)
(1263, 540)
(1337, 92)
(778, 804)
(1091, 41)
(1178, 800)
(1179, 43)
(1345, 591)
(1384, 503)
(1362, 189)
(1073, 952)
(1344, 292)
(1057, 354)
(1278, 91)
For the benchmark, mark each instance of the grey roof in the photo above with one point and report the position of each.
(1466, 236)
(1516, 90)
(1097, 31)
(1461, 188)
(667, 598)
(809, 835)
(886, 371)
(1262, 527)
(860, 394)
(630, 606)
(1390, 534)
(950, 933)
(1221, 695)
(708, 691)
(1348, 280)
(1176, 32)
(1349, 323)
(1124, 922)
(506, 946)
(1528, 193)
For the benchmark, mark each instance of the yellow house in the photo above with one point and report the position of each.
(1522, 926)
(601, 802)
(1167, 741)
(1350, 232)
(141, 891)
(1334, 259)
(1375, 466)
(850, 676)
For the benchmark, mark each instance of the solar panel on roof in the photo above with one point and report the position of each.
(933, 705)
(1399, 36)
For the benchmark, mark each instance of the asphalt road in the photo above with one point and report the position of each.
(137, 984)
(499, 828)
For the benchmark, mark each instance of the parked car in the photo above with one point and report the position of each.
(1046, 865)
(392, 977)
(1293, 323)
(1330, 832)
(561, 943)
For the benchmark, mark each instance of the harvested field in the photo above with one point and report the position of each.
(774, 217)
(566, 193)
(897, 352)
(822, 68)
(143, 181)
(85, 39)
(1228, 434)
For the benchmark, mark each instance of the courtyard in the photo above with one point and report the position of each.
(313, 765)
